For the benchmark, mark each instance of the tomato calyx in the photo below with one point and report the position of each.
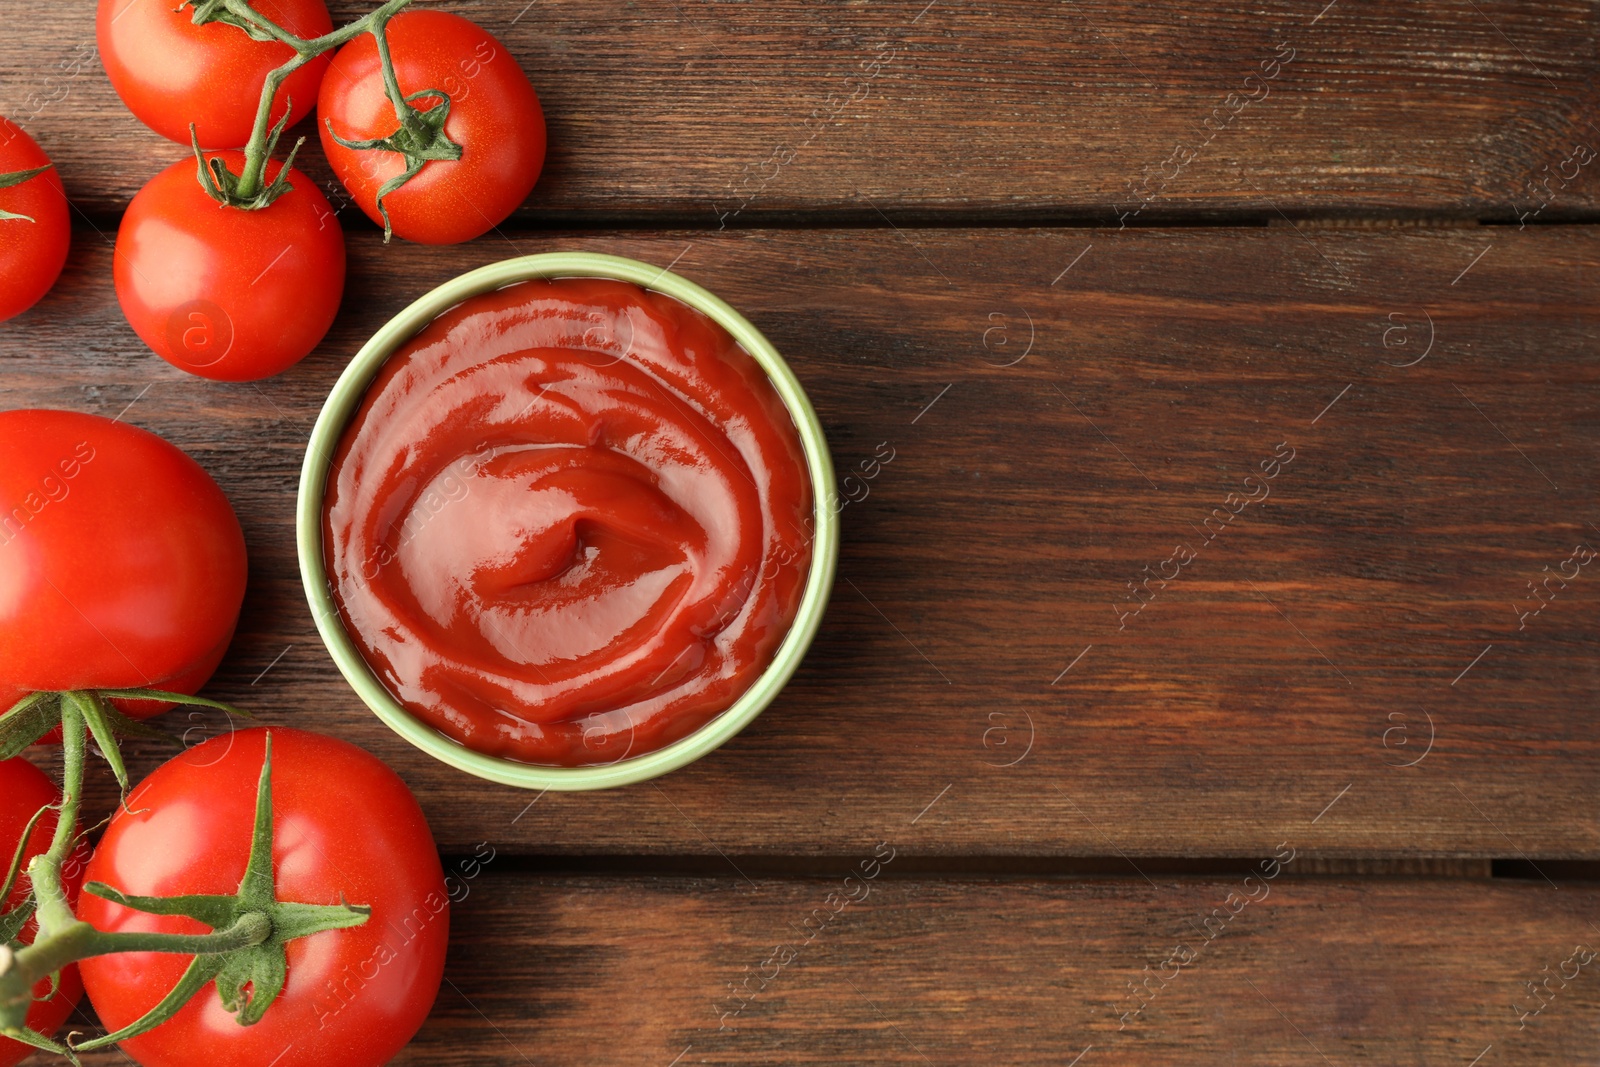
(204, 11)
(419, 139)
(229, 190)
(17, 177)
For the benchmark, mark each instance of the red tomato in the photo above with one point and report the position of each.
(23, 791)
(224, 293)
(347, 829)
(494, 116)
(170, 72)
(121, 562)
(31, 253)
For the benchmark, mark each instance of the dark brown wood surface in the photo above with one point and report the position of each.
(1357, 667)
(1299, 659)
(594, 971)
(699, 109)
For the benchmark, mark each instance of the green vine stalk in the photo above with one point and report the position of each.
(419, 136)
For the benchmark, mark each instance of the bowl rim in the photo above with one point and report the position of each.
(341, 405)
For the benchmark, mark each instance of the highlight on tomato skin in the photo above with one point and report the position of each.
(170, 72)
(33, 245)
(348, 830)
(24, 790)
(223, 293)
(495, 117)
(122, 564)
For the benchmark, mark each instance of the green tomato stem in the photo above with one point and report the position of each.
(258, 150)
(81, 941)
(44, 872)
(391, 82)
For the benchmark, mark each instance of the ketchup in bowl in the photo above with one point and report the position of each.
(569, 523)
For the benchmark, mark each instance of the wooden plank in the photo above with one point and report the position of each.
(721, 112)
(1272, 690)
(595, 971)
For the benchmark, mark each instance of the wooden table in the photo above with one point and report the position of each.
(1085, 268)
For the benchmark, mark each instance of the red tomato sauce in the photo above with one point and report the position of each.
(570, 522)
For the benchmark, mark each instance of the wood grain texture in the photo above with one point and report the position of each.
(715, 111)
(593, 971)
(1270, 692)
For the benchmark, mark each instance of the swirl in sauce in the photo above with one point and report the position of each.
(569, 522)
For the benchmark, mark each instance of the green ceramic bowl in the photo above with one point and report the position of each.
(346, 397)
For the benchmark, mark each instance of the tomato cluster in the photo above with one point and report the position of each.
(195, 925)
(124, 569)
(356, 995)
(245, 293)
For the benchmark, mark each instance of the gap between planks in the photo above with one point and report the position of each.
(1040, 868)
(923, 218)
